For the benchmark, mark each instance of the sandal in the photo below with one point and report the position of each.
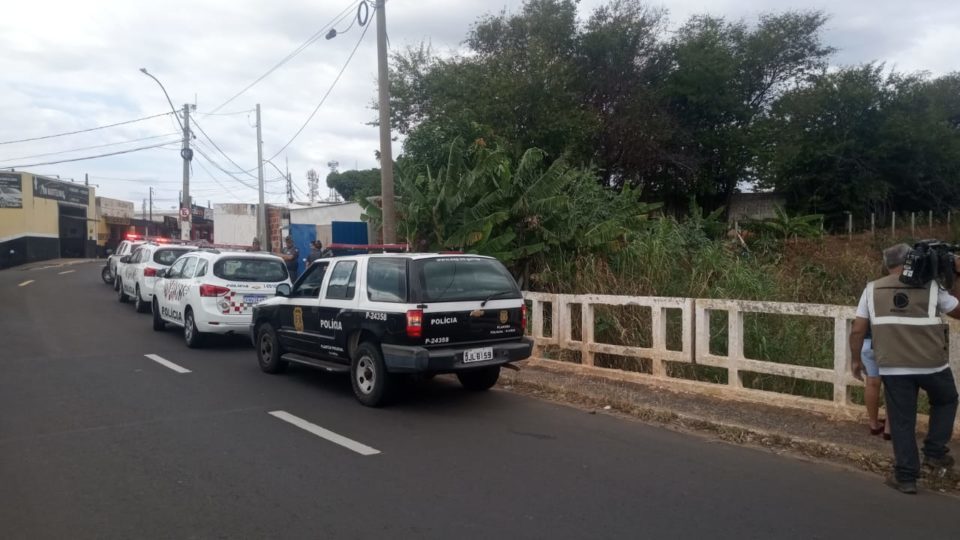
(878, 430)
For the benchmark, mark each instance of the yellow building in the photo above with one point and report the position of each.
(45, 218)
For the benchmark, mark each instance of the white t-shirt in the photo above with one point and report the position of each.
(945, 304)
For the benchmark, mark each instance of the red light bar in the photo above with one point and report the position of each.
(131, 236)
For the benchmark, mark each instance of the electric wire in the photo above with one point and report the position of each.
(85, 158)
(327, 94)
(90, 147)
(290, 56)
(241, 171)
(85, 130)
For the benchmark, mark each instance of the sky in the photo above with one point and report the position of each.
(68, 66)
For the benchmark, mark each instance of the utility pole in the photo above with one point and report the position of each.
(261, 209)
(386, 152)
(289, 182)
(187, 154)
(149, 223)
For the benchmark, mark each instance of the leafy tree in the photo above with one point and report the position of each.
(355, 184)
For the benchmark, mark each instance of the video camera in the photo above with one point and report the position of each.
(930, 260)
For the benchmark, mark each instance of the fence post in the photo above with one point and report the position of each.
(913, 225)
(841, 361)
(734, 347)
(873, 218)
(850, 226)
(586, 333)
(659, 331)
(893, 224)
(930, 219)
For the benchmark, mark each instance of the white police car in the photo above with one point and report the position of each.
(213, 292)
(137, 273)
(125, 248)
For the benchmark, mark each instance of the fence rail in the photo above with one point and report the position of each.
(558, 310)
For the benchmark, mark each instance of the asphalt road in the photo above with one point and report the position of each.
(99, 441)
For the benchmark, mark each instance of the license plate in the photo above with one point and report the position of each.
(254, 298)
(477, 355)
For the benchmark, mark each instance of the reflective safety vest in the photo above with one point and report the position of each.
(907, 331)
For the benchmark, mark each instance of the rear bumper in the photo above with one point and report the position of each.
(406, 359)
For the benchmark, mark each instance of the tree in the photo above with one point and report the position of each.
(313, 185)
(355, 184)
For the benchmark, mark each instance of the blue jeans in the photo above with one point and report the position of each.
(901, 394)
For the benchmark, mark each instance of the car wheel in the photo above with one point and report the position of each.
(158, 323)
(479, 379)
(138, 303)
(121, 296)
(269, 351)
(116, 281)
(372, 384)
(191, 335)
(106, 276)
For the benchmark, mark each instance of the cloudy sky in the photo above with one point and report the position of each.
(68, 65)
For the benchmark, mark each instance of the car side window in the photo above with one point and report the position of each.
(177, 269)
(387, 280)
(343, 281)
(189, 267)
(201, 269)
(308, 286)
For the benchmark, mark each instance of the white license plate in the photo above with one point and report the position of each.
(477, 355)
(254, 298)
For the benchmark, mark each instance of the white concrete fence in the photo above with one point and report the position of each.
(695, 346)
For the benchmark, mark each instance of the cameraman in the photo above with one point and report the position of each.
(910, 341)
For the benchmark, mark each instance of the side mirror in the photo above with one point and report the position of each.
(283, 289)
(125, 259)
(162, 273)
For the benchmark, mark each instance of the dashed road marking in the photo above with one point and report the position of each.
(66, 272)
(335, 438)
(25, 283)
(166, 363)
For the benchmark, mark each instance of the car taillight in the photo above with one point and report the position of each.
(213, 290)
(415, 323)
(523, 318)
(149, 272)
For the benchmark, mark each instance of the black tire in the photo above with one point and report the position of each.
(116, 281)
(121, 296)
(269, 351)
(106, 276)
(158, 324)
(139, 304)
(191, 335)
(372, 385)
(479, 379)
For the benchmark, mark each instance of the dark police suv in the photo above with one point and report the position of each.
(380, 316)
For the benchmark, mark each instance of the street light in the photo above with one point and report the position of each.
(186, 153)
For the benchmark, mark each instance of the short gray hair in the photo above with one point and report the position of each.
(895, 256)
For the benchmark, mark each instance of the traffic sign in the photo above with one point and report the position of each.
(184, 214)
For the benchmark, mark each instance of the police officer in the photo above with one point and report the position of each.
(291, 257)
(910, 343)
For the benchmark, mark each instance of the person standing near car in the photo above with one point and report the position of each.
(910, 343)
(291, 256)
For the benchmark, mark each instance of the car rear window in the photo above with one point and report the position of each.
(387, 280)
(243, 269)
(167, 256)
(456, 279)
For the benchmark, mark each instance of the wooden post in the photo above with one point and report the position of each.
(893, 224)
(913, 225)
(930, 220)
(873, 222)
(850, 226)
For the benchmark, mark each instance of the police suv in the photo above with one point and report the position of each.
(137, 273)
(125, 248)
(213, 292)
(378, 316)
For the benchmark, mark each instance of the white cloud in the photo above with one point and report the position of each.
(71, 65)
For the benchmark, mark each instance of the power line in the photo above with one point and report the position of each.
(85, 130)
(290, 56)
(204, 133)
(85, 158)
(235, 113)
(218, 166)
(225, 188)
(327, 94)
(89, 147)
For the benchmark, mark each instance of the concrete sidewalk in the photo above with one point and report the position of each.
(787, 431)
(53, 263)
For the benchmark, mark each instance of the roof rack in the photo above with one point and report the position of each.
(381, 248)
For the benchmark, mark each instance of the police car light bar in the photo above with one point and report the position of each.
(369, 247)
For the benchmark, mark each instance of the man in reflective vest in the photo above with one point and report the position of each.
(910, 343)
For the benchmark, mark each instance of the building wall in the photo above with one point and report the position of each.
(235, 224)
(31, 232)
(754, 206)
(325, 215)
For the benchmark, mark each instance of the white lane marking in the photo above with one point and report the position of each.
(25, 283)
(166, 363)
(335, 438)
(66, 272)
